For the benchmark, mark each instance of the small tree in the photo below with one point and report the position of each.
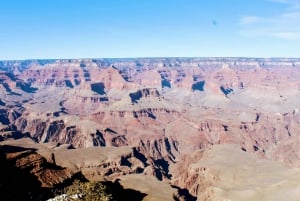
(87, 191)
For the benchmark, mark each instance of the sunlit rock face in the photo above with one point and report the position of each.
(164, 110)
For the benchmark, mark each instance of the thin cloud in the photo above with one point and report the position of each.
(291, 3)
(293, 15)
(287, 35)
(280, 1)
(250, 20)
(285, 26)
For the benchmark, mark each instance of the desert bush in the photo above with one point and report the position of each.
(86, 191)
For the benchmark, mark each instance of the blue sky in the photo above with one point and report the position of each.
(36, 29)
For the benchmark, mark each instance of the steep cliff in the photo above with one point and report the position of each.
(156, 111)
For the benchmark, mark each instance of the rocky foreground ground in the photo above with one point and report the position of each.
(169, 128)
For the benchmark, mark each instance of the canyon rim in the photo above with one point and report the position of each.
(168, 128)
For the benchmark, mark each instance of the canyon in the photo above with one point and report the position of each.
(204, 129)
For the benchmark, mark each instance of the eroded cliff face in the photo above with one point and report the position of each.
(27, 175)
(163, 109)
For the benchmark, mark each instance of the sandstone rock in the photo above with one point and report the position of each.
(149, 115)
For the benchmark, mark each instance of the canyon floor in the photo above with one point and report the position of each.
(205, 129)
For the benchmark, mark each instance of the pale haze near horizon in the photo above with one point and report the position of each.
(45, 29)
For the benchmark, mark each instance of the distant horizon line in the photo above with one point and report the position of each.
(168, 57)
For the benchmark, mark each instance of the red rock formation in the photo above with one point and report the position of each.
(164, 108)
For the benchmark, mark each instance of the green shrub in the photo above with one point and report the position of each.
(87, 191)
